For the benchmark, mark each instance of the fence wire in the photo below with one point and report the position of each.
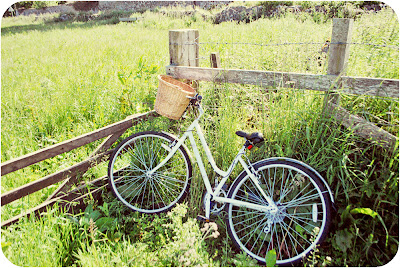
(307, 57)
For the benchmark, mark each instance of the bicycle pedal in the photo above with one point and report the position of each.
(202, 218)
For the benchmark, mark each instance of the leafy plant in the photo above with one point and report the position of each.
(137, 96)
(268, 5)
(87, 87)
(40, 4)
(351, 231)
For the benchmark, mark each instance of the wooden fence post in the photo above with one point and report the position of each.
(339, 51)
(215, 60)
(184, 49)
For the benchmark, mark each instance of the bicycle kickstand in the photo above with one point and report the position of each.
(206, 218)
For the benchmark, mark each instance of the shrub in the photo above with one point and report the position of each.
(40, 4)
(268, 5)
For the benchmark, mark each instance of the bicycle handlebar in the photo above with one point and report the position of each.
(196, 99)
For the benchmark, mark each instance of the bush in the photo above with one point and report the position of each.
(268, 5)
(179, 242)
(24, 4)
(40, 4)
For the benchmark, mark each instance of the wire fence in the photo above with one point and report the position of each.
(290, 46)
(310, 57)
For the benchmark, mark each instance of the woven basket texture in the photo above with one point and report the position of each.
(171, 99)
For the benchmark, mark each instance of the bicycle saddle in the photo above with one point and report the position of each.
(255, 137)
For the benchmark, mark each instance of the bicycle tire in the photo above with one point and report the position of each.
(133, 186)
(302, 221)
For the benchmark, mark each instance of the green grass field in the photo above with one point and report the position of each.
(64, 79)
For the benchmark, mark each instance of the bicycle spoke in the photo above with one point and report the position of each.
(284, 188)
(300, 205)
(250, 197)
(247, 213)
(262, 244)
(135, 187)
(267, 184)
(162, 176)
(260, 233)
(303, 199)
(134, 191)
(248, 219)
(163, 195)
(300, 220)
(291, 237)
(129, 181)
(138, 158)
(298, 235)
(284, 243)
(131, 185)
(245, 228)
(169, 189)
(253, 232)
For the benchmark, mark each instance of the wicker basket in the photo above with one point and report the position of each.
(171, 100)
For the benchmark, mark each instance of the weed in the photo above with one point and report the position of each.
(63, 79)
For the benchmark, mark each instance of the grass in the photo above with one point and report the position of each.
(64, 79)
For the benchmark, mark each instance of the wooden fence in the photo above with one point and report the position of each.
(184, 64)
(184, 54)
(70, 175)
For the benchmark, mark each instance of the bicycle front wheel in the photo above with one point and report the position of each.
(303, 216)
(135, 187)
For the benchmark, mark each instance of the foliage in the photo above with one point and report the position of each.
(40, 4)
(268, 5)
(61, 79)
(350, 232)
(36, 4)
(24, 4)
(92, 239)
(136, 96)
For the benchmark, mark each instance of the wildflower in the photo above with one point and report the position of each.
(215, 234)
(191, 241)
(189, 252)
(205, 228)
(213, 226)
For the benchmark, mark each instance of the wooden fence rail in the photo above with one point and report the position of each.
(186, 43)
(70, 200)
(66, 146)
(184, 64)
(71, 174)
(351, 85)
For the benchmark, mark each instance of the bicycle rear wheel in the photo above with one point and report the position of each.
(302, 220)
(129, 178)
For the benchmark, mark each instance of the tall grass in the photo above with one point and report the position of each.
(60, 80)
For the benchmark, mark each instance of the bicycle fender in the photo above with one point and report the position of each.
(304, 165)
(243, 173)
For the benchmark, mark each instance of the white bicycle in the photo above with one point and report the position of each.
(275, 203)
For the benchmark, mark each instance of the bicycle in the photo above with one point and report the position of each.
(275, 203)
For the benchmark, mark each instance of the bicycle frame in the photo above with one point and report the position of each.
(271, 207)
